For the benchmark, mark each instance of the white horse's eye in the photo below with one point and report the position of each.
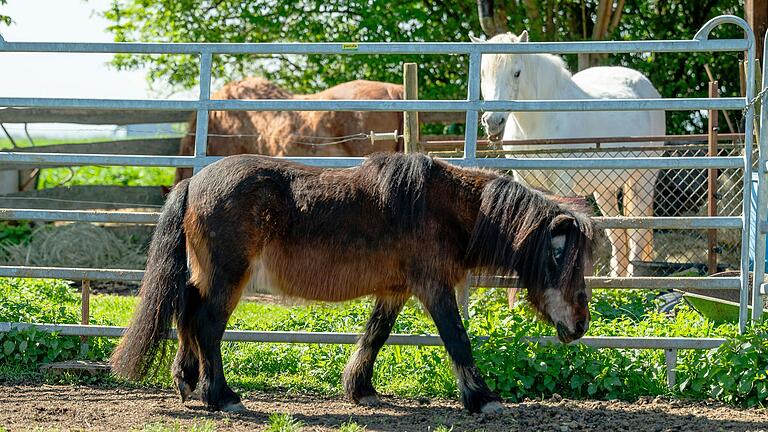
(517, 74)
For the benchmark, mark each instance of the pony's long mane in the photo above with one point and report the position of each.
(513, 234)
(399, 181)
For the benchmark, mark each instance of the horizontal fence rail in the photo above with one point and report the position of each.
(341, 48)
(126, 275)
(698, 222)
(680, 104)
(351, 338)
(74, 159)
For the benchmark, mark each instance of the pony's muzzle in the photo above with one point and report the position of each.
(566, 336)
(494, 123)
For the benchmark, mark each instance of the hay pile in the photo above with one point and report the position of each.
(76, 245)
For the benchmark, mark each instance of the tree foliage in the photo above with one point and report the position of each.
(5, 19)
(441, 77)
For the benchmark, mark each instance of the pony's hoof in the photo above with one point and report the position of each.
(234, 407)
(185, 392)
(494, 407)
(369, 401)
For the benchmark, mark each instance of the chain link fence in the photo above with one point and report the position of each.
(672, 193)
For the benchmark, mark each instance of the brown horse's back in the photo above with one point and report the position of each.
(291, 133)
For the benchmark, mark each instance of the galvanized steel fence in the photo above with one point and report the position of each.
(472, 105)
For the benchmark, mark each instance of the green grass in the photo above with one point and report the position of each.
(196, 426)
(95, 175)
(351, 426)
(283, 423)
(108, 175)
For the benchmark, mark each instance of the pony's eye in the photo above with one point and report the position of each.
(517, 74)
(558, 254)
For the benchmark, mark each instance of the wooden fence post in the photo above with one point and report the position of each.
(411, 119)
(85, 305)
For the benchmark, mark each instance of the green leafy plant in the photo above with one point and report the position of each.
(45, 301)
(736, 372)
(14, 233)
(513, 366)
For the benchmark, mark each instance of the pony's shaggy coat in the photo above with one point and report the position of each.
(395, 227)
(296, 133)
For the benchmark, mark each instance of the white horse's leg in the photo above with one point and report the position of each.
(638, 201)
(609, 206)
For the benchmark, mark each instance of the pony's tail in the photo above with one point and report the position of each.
(161, 290)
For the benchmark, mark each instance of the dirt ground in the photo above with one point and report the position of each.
(61, 407)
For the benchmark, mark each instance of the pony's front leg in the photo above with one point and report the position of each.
(475, 394)
(358, 375)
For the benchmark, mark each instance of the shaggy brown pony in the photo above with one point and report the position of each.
(296, 133)
(395, 227)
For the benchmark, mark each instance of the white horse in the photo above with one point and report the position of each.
(546, 77)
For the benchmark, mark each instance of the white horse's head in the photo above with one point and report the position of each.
(501, 75)
(501, 78)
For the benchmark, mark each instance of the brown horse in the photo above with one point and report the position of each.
(297, 133)
(395, 227)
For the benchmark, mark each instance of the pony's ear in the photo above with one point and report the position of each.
(523, 36)
(475, 39)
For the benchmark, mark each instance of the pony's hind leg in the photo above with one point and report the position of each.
(230, 274)
(358, 373)
(186, 365)
(475, 394)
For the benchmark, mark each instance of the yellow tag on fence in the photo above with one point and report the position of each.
(349, 46)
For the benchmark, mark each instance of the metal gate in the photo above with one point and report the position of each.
(471, 105)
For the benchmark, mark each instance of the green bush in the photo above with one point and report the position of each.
(13, 234)
(37, 301)
(736, 372)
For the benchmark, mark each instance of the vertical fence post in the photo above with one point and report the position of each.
(470, 150)
(712, 182)
(747, 185)
(201, 128)
(473, 95)
(411, 118)
(670, 359)
(761, 202)
(85, 311)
